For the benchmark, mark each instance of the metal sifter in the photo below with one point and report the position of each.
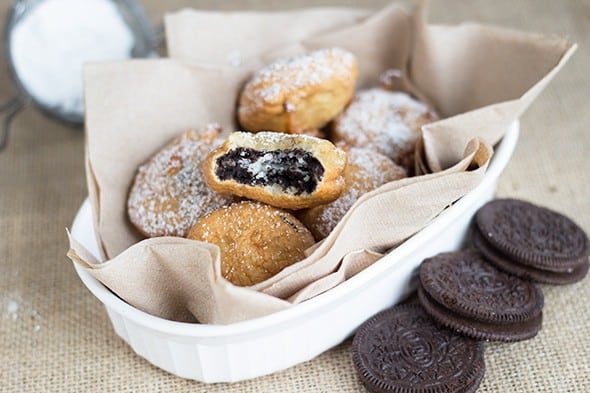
(143, 45)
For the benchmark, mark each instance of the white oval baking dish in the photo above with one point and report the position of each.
(243, 350)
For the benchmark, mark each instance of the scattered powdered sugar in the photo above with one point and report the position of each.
(169, 193)
(12, 309)
(15, 310)
(389, 77)
(37, 318)
(388, 122)
(272, 139)
(332, 214)
(369, 170)
(234, 58)
(279, 79)
(365, 171)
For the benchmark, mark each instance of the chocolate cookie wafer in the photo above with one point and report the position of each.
(524, 271)
(533, 235)
(531, 241)
(463, 292)
(402, 350)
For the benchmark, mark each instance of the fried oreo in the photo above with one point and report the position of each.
(402, 350)
(531, 242)
(169, 194)
(300, 94)
(387, 122)
(282, 170)
(463, 292)
(256, 241)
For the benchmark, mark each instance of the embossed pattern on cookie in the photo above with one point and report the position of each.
(533, 235)
(571, 276)
(465, 283)
(402, 350)
(505, 332)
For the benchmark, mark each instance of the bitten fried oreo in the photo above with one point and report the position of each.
(256, 241)
(287, 171)
(299, 94)
(402, 350)
(169, 194)
(463, 292)
(531, 241)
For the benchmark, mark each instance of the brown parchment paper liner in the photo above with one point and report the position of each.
(481, 78)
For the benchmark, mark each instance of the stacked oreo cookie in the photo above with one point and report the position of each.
(531, 242)
(463, 292)
(464, 298)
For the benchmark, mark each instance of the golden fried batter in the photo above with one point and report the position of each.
(387, 122)
(256, 241)
(169, 194)
(299, 94)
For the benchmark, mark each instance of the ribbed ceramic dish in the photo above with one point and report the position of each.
(227, 353)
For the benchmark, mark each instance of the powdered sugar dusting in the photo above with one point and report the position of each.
(16, 310)
(271, 138)
(278, 80)
(169, 193)
(365, 171)
(387, 122)
(234, 58)
(256, 240)
(12, 309)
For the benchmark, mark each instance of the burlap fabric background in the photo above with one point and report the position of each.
(55, 336)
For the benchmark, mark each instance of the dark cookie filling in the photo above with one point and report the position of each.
(296, 171)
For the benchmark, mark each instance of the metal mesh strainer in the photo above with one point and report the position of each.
(144, 46)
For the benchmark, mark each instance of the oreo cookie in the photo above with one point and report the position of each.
(402, 350)
(531, 242)
(527, 272)
(463, 292)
